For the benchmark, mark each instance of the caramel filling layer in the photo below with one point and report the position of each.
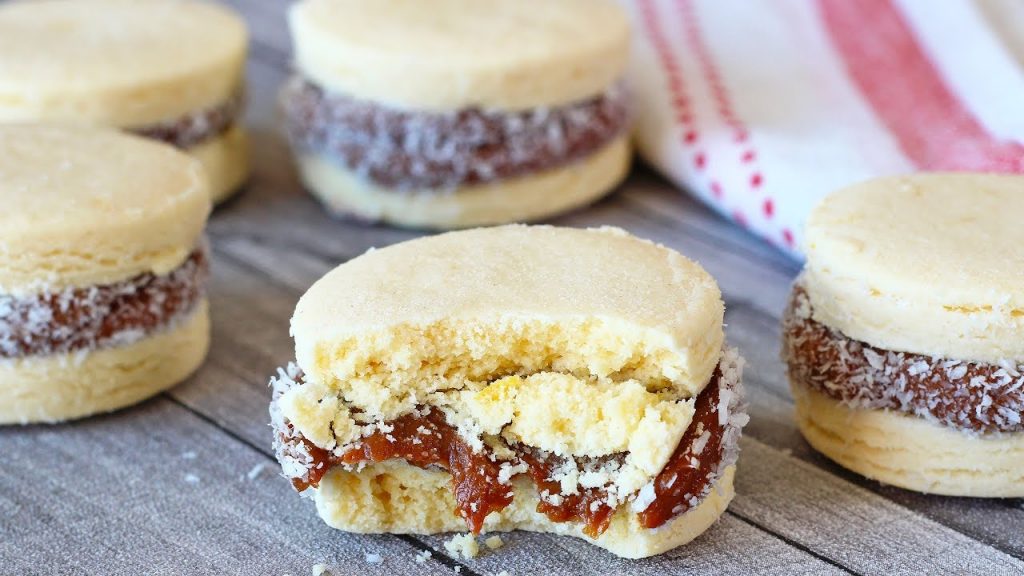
(418, 150)
(102, 316)
(974, 397)
(480, 479)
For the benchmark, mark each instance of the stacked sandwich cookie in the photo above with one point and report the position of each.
(170, 70)
(905, 335)
(535, 378)
(455, 113)
(102, 271)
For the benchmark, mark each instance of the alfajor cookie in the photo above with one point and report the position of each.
(102, 271)
(171, 70)
(905, 334)
(454, 113)
(514, 378)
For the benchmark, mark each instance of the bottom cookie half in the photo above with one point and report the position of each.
(911, 452)
(395, 497)
(73, 385)
(525, 198)
(226, 161)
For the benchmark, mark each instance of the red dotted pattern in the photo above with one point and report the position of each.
(683, 106)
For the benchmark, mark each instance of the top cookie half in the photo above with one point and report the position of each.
(483, 304)
(928, 264)
(452, 54)
(125, 63)
(86, 207)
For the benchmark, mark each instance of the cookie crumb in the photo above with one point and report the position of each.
(256, 471)
(462, 545)
(374, 559)
(320, 570)
(423, 556)
(494, 542)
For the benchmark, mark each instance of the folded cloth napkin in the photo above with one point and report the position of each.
(762, 108)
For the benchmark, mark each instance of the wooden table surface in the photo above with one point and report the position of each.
(186, 483)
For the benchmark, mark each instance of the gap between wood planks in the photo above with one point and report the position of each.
(420, 545)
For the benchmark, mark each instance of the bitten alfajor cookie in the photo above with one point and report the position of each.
(531, 378)
(171, 70)
(455, 113)
(102, 271)
(905, 334)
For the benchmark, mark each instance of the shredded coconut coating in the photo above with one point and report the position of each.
(292, 451)
(972, 397)
(103, 316)
(198, 126)
(416, 150)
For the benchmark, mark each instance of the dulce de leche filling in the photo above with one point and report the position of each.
(101, 316)
(417, 150)
(480, 480)
(196, 127)
(973, 397)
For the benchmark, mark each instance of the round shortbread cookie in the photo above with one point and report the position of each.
(931, 264)
(450, 54)
(600, 302)
(355, 502)
(124, 63)
(84, 207)
(522, 199)
(72, 385)
(911, 452)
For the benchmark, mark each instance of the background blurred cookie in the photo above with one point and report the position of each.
(454, 113)
(905, 334)
(165, 69)
(102, 271)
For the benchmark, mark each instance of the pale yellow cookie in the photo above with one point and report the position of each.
(394, 497)
(602, 302)
(904, 338)
(931, 264)
(910, 452)
(86, 206)
(138, 65)
(524, 199)
(559, 380)
(75, 384)
(448, 54)
(102, 270)
(125, 63)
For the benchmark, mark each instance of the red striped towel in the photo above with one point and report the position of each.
(762, 108)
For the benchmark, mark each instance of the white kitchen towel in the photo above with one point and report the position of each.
(762, 107)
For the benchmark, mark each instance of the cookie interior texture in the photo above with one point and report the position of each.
(578, 357)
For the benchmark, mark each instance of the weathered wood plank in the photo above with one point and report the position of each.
(851, 525)
(156, 490)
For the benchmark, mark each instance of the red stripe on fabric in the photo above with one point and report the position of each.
(682, 108)
(719, 93)
(907, 92)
